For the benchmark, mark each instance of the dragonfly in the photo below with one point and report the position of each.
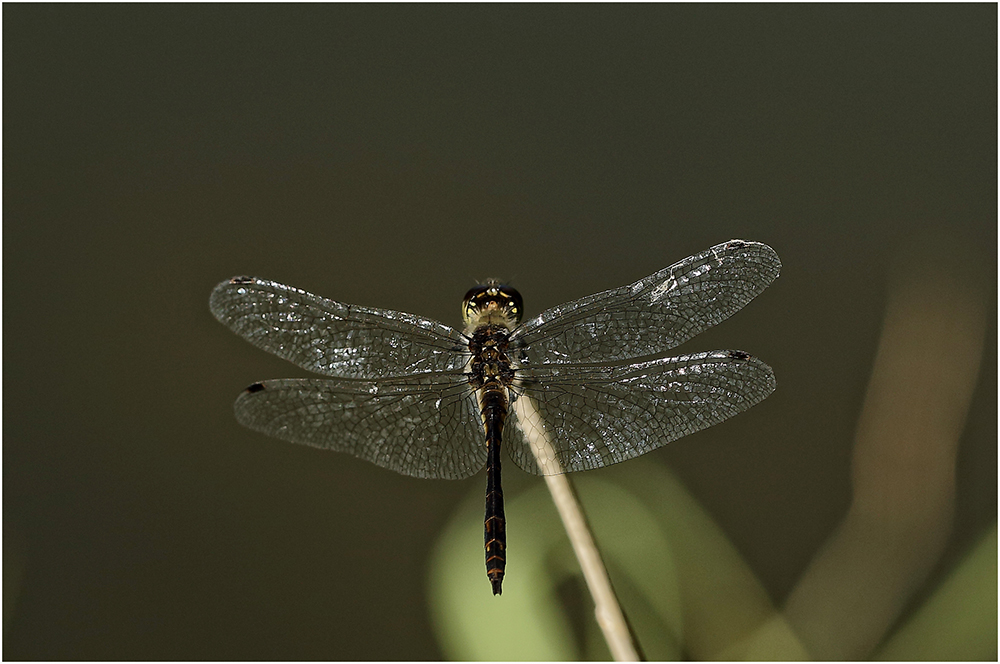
(591, 377)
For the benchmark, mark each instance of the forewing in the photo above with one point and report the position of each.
(333, 338)
(654, 314)
(423, 426)
(600, 415)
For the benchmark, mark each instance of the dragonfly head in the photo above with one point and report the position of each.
(491, 304)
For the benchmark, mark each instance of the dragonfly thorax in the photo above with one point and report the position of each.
(490, 366)
(491, 304)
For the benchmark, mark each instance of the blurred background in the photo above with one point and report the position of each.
(392, 156)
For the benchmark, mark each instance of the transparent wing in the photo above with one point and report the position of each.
(654, 314)
(595, 416)
(421, 425)
(333, 338)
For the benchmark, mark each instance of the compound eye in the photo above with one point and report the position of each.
(473, 292)
(513, 298)
(470, 303)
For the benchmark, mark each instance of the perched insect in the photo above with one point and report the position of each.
(424, 399)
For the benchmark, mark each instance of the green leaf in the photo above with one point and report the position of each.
(959, 621)
(683, 586)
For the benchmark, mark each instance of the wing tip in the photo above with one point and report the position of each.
(741, 356)
(218, 300)
(766, 255)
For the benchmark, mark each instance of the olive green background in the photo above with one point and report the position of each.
(391, 156)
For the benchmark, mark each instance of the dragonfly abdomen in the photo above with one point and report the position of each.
(495, 533)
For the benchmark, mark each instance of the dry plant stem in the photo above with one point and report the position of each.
(606, 607)
(903, 469)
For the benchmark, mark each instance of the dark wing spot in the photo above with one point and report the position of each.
(256, 387)
(241, 280)
(735, 354)
(735, 244)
